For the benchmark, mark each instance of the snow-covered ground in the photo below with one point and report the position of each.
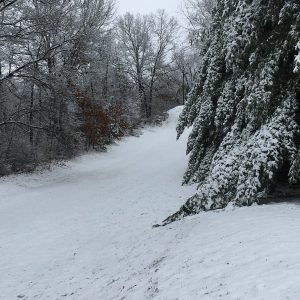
(85, 232)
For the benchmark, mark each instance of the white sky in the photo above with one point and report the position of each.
(149, 6)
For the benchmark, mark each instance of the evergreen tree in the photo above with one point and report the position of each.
(244, 108)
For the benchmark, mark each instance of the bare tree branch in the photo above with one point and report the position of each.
(5, 4)
(11, 122)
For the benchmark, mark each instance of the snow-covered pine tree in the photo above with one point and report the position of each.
(244, 109)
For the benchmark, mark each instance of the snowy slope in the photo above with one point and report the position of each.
(85, 232)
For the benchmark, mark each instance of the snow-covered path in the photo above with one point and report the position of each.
(85, 232)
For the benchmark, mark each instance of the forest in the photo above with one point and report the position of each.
(75, 76)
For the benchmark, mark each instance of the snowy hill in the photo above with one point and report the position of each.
(85, 232)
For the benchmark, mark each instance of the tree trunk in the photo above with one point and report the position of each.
(31, 115)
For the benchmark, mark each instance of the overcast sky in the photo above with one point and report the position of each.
(148, 6)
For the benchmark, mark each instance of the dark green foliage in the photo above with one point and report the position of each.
(243, 107)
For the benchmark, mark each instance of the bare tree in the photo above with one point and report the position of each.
(134, 38)
(186, 61)
(146, 42)
(164, 30)
(198, 13)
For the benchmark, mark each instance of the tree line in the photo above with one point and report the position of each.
(74, 76)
